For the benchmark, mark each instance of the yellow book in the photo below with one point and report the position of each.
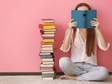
(48, 63)
(49, 27)
(48, 24)
(48, 43)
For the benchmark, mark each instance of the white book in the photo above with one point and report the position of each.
(48, 20)
(47, 45)
(47, 60)
(43, 65)
(48, 78)
(47, 35)
(47, 48)
(49, 32)
(51, 51)
(48, 72)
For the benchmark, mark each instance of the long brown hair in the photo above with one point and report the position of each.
(90, 39)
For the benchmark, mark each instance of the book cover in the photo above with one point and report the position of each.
(48, 40)
(47, 43)
(48, 78)
(49, 24)
(48, 63)
(48, 30)
(52, 32)
(47, 49)
(46, 56)
(51, 51)
(45, 53)
(44, 65)
(83, 18)
(48, 27)
(47, 60)
(46, 69)
(47, 20)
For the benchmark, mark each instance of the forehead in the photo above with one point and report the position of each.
(83, 8)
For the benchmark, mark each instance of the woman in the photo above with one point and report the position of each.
(83, 62)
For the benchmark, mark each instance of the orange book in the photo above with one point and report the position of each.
(47, 43)
(48, 24)
(48, 27)
(48, 40)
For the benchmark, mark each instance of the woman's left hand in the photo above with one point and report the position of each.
(95, 23)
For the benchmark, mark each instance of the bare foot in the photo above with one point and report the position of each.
(67, 77)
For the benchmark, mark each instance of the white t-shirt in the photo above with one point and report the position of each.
(78, 51)
(78, 48)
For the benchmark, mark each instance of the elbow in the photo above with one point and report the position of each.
(106, 47)
(62, 48)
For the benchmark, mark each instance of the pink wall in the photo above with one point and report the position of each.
(20, 37)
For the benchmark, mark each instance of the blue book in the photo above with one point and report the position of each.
(83, 18)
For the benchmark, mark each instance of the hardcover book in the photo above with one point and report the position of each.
(83, 18)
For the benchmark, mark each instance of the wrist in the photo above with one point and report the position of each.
(96, 28)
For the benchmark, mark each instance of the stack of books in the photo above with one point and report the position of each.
(47, 30)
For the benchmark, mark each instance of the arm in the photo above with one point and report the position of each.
(68, 38)
(66, 44)
(103, 45)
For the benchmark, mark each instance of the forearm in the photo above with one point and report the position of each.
(66, 42)
(65, 47)
(100, 38)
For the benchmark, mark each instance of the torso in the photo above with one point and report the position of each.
(78, 53)
(83, 34)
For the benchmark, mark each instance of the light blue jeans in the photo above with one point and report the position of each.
(82, 70)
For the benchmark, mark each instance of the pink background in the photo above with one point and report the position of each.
(20, 37)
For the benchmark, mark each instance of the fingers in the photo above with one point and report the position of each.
(94, 22)
(75, 23)
(95, 19)
(72, 20)
(72, 23)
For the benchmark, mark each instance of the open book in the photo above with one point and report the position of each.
(83, 18)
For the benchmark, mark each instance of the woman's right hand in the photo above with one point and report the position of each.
(72, 23)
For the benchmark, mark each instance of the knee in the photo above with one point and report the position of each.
(104, 72)
(63, 62)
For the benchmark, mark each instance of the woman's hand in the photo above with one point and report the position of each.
(72, 23)
(95, 23)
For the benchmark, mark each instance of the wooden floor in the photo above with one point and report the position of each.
(33, 79)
